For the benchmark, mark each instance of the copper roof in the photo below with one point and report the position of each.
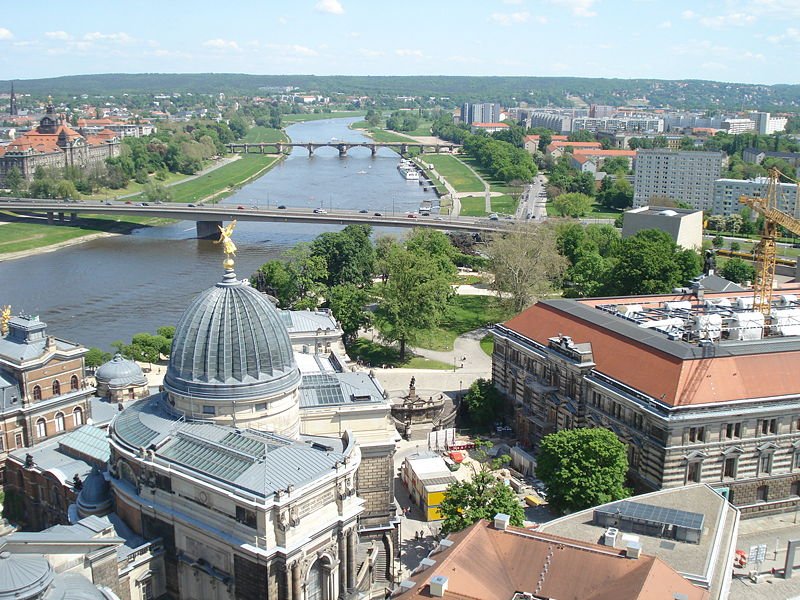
(674, 372)
(485, 563)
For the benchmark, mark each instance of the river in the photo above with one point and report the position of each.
(111, 288)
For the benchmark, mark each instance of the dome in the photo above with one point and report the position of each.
(120, 372)
(24, 575)
(230, 344)
(95, 495)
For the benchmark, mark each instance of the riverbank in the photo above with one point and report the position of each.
(21, 237)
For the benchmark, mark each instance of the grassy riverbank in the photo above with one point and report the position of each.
(302, 117)
(455, 172)
(264, 135)
(222, 182)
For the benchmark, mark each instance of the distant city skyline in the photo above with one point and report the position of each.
(743, 41)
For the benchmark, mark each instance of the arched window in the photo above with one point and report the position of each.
(41, 428)
(37, 392)
(56, 388)
(59, 422)
(77, 416)
(73, 383)
(315, 582)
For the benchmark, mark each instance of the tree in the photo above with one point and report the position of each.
(348, 254)
(64, 188)
(525, 263)
(14, 181)
(651, 263)
(157, 192)
(96, 357)
(588, 276)
(735, 246)
(738, 271)
(573, 205)
(466, 502)
(435, 244)
(718, 241)
(618, 194)
(347, 303)
(146, 347)
(413, 298)
(483, 402)
(582, 468)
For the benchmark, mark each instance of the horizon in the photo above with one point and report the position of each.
(726, 41)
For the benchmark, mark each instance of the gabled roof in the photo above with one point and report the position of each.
(491, 564)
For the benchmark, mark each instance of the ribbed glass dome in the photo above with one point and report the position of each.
(231, 344)
(24, 576)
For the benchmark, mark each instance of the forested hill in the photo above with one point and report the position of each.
(691, 94)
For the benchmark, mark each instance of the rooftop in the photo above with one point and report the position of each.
(672, 337)
(705, 563)
(249, 460)
(493, 564)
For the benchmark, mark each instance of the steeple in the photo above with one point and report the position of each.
(12, 109)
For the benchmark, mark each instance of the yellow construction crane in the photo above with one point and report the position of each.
(765, 250)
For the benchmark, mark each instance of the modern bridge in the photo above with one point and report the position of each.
(209, 217)
(341, 146)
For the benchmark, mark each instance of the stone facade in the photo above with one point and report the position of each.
(749, 450)
(43, 387)
(54, 145)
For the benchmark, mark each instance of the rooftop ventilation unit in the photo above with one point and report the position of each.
(745, 303)
(633, 550)
(630, 309)
(707, 327)
(786, 321)
(610, 537)
(787, 300)
(662, 323)
(438, 586)
(678, 305)
(501, 521)
(747, 326)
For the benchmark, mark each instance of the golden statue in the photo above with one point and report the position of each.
(5, 317)
(228, 247)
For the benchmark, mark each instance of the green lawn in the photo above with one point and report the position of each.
(495, 185)
(424, 128)
(597, 211)
(464, 314)
(504, 204)
(223, 181)
(264, 135)
(131, 188)
(456, 172)
(301, 117)
(487, 344)
(17, 236)
(378, 355)
(473, 206)
(382, 135)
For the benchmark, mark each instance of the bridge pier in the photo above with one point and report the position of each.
(207, 230)
(61, 217)
(403, 148)
(279, 148)
(343, 150)
(373, 149)
(310, 150)
(50, 217)
(73, 217)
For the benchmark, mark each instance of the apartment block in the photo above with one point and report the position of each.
(683, 176)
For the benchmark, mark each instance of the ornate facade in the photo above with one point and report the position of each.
(695, 399)
(55, 145)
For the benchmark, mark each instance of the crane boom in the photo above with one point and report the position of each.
(765, 251)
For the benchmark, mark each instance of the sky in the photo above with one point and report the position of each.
(748, 41)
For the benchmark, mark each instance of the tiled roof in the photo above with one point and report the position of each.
(490, 564)
(490, 124)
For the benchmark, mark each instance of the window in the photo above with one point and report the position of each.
(147, 589)
(2, 442)
(18, 440)
(73, 383)
(765, 463)
(795, 489)
(762, 493)
(767, 426)
(77, 416)
(245, 516)
(60, 422)
(209, 410)
(56, 388)
(729, 469)
(41, 428)
(732, 431)
(693, 471)
(697, 434)
(315, 583)
(796, 459)
(37, 392)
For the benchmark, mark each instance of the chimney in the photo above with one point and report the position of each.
(501, 521)
(438, 586)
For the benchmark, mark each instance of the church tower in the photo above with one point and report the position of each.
(12, 109)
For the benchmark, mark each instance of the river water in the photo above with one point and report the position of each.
(109, 289)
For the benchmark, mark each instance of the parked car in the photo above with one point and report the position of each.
(320, 211)
(282, 207)
(377, 214)
(363, 211)
(192, 205)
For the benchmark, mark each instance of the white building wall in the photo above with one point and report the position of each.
(683, 176)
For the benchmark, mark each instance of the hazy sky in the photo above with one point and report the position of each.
(756, 41)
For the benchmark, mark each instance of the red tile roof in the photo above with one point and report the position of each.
(490, 124)
(488, 564)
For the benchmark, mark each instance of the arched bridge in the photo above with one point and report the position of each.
(208, 217)
(342, 147)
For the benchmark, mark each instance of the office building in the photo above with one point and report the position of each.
(766, 124)
(737, 126)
